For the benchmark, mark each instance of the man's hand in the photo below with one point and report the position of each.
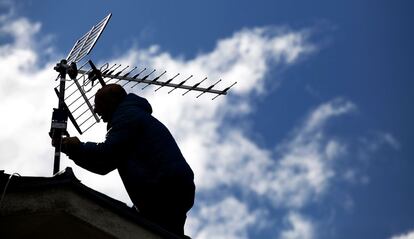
(70, 144)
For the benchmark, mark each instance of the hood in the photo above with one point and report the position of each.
(134, 100)
(130, 102)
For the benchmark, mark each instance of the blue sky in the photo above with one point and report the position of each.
(313, 142)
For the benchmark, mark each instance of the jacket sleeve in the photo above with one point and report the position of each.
(102, 158)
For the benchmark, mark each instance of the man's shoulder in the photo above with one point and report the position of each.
(135, 102)
(133, 108)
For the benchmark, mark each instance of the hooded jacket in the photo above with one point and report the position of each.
(140, 147)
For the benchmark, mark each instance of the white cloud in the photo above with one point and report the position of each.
(375, 142)
(299, 171)
(408, 235)
(299, 227)
(22, 31)
(381, 139)
(389, 139)
(227, 218)
(25, 101)
(378, 140)
(306, 162)
(293, 180)
(7, 10)
(318, 118)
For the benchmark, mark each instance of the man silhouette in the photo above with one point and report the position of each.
(156, 176)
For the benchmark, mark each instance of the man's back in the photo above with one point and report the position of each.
(150, 156)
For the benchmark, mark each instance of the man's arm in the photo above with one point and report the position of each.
(100, 158)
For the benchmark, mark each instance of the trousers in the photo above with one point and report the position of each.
(167, 206)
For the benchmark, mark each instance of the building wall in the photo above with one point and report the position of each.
(63, 213)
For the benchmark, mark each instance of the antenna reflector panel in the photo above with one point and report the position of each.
(85, 44)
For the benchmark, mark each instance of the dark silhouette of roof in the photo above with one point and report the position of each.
(66, 180)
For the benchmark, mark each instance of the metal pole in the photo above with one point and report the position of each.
(59, 116)
(58, 147)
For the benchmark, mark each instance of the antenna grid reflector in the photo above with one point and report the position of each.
(85, 44)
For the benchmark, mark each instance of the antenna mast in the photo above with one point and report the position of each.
(67, 66)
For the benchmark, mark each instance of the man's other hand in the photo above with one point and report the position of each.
(70, 144)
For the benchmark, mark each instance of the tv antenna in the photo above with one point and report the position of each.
(76, 104)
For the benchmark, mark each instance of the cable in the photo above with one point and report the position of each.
(5, 187)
